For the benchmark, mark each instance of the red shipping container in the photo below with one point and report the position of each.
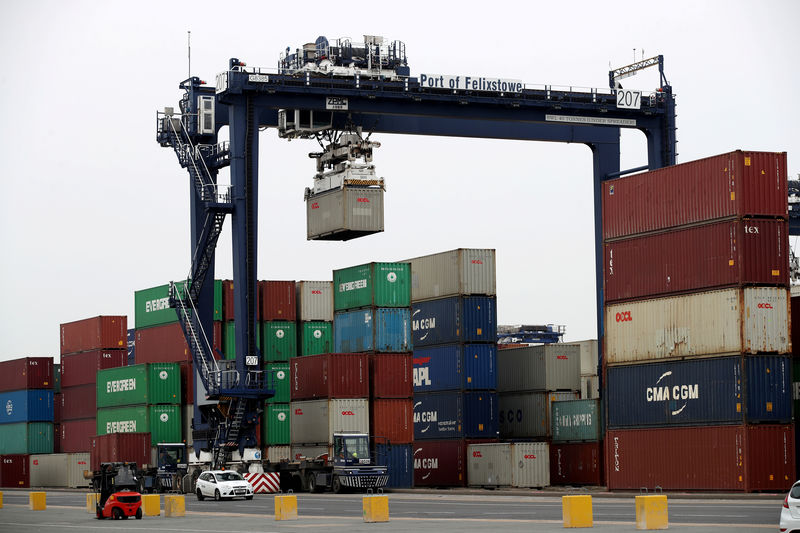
(330, 375)
(162, 344)
(440, 463)
(721, 254)
(98, 333)
(121, 447)
(228, 309)
(58, 402)
(735, 184)
(392, 420)
(795, 323)
(576, 463)
(27, 373)
(81, 368)
(278, 300)
(391, 375)
(14, 471)
(57, 438)
(729, 458)
(76, 435)
(79, 402)
(187, 382)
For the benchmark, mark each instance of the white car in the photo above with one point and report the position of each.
(222, 484)
(790, 513)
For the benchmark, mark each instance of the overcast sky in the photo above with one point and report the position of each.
(92, 209)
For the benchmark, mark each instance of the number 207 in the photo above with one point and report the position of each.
(629, 99)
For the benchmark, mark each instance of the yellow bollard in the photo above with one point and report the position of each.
(376, 508)
(651, 512)
(174, 505)
(1, 499)
(285, 507)
(577, 511)
(37, 501)
(91, 502)
(151, 505)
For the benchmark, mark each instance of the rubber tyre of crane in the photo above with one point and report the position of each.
(139, 513)
(217, 495)
(336, 485)
(116, 513)
(199, 495)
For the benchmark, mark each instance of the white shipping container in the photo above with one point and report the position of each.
(530, 464)
(588, 356)
(521, 464)
(276, 454)
(59, 470)
(343, 214)
(526, 415)
(453, 273)
(729, 321)
(590, 387)
(298, 451)
(315, 421)
(315, 301)
(548, 367)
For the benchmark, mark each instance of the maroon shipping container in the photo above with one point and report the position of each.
(57, 437)
(14, 471)
(79, 402)
(729, 458)
(81, 368)
(121, 447)
(227, 300)
(391, 375)
(27, 373)
(76, 435)
(330, 375)
(98, 333)
(795, 325)
(736, 184)
(58, 402)
(162, 344)
(187, 382)
(721, 254)
(392, 419)
(440, 463)
(576, 463)
(278, 300)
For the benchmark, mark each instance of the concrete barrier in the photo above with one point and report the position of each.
(174, 505)
(91, 502)
(285, 507)
(376, 508)
(577, 511)
(651, 512)
(37, 501)
(151, 504)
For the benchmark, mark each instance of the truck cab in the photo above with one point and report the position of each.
(353, 467)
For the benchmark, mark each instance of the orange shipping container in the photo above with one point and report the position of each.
(393, 420)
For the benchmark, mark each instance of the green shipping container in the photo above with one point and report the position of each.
(56, 379)
(149, 383)
(372, 285)
(316, 337)
(282, 382)
(279, 341)
(275, 425)
(163, 422)
(229, 339)
(151, 306)
(576, 421)
(27, 437)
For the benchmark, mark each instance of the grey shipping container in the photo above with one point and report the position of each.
(59, 470)
(314, 301)
(519, 464)
(344, 214)
(527, 415)
(457, 272)
(550, 367)
(589, 359)
(576, 421)
(315, 421)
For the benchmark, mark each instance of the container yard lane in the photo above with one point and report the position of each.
(409, 511)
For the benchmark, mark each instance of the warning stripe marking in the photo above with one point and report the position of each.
(264, 483)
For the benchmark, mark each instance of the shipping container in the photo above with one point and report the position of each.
(730, 321)
(151, 306)
(721, 254)
(278, 300)
(795, 311)
(576, 463)
(315, 337)
(26, 437)
(57, 437)
(151, 383)
(229, 339)
(526, 415)
(455, 415)
(720, 458)
(458, 272)
(76, 435)
(372, 285)
(520, 464)
(399, 458)
(228, 305)
(81, 368)
(279, 341)
(590, 387)
(281, 381)
(344, 214)
(162, 344)
(589, 360)
(56, 379)
(163, 422)
(315, 421)
(276, 454)
(98, 333)
(29, 405)
(549, 367)
(58, 404)
(722, 390)
(392, 419)
(276, 424)
(455, 367)
(382, 329)
(576, 421)
(298, 452)
(121, 447)
(59, 470)
(315, 301)
(14, 471)
(390, 375)
(454, 320)
(440, 463)
(340, 375)
(27, 373)
(736, 184)
(78, 402)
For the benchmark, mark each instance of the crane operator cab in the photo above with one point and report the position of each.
(350, 449)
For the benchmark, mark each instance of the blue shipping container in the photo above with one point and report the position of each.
(454, 320)
(455, 415)
(400, 460)
(724, 390)
(380, 329)
(455, 367)
(29, 405)
(131, 347)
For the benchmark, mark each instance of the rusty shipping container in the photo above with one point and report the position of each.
(98, 333)
(730, 321)
(391, 375)
(79, 402)
(162, 344)
(121, 447)
(76, 435)
(735, 184)
(81, 368)
(14, 471)
(392, 419)
(722, 254)
(27, 373)
(278, 300)
(576, 463)
(341, 375)
(729, 458)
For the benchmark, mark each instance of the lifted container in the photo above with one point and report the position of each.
(344, 214)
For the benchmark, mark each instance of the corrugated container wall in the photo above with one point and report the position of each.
(455, 367)
(400, 460)
(315, 421)
(278, 300)
(56, 379)
(589, 358)
(14, 471)
(527, 415)
(28, 405)
(315, 301)
(59, 470)
(281, 381)
(81, 368)
(98, 333)
(456, 272)
(276, 454)
(735, 184)
(121, 447)
(160, 344)
(344, 214)
(26, 437)
(522, 464)
(392, 419)
(372, 285)
(279, 341)
(576, 420)
(440, 463)
(731, 321)
(390, 375)
(27, 373)
(576, 463)
(276, 424)
(315, 337)
(342, 375)
(722, 254)
(549, 367)
(383, 329)
(163, 422)
(151, 383)
(76, 435)
(78, 402)
(151, 306)
(454, 320)
(454, 415)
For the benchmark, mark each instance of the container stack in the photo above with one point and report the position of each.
(590, 382)
(795, 338)
(314, 317)
(697, 326)
(576, 450)
(454, 330)
(87, 346)
(26, 422)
